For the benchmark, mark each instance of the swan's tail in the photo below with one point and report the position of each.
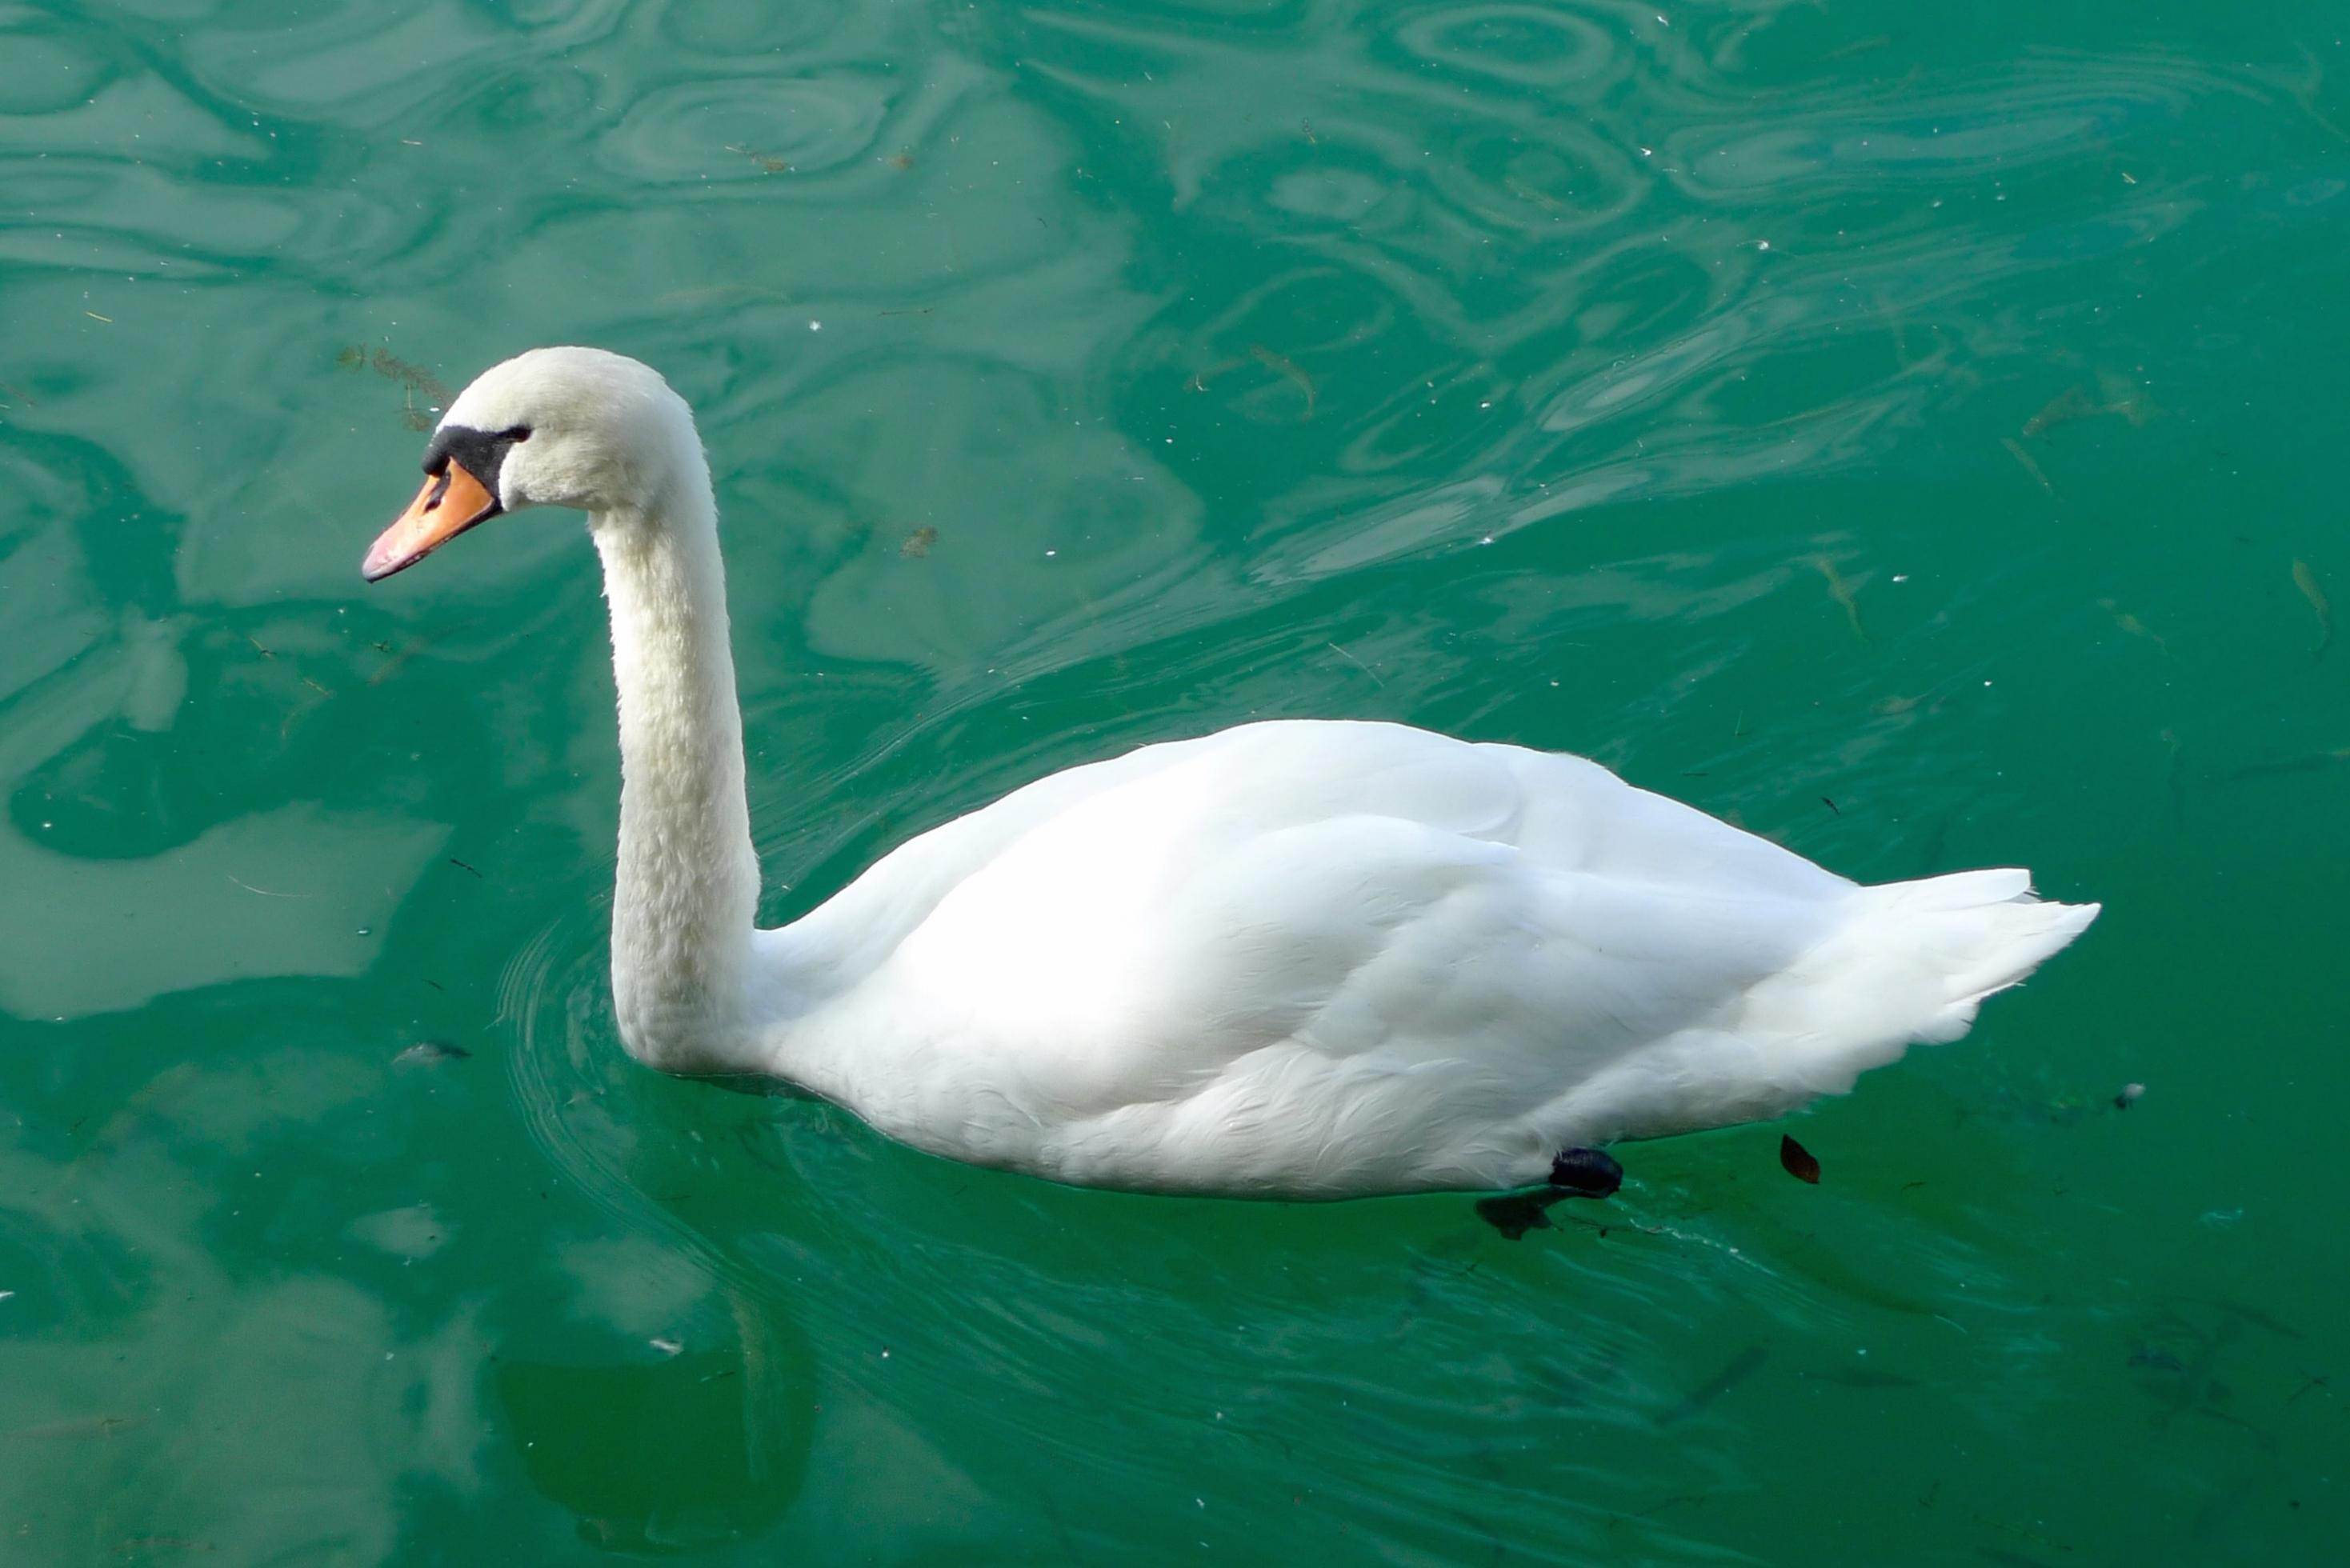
(1889, 967)
(1909, 963)
(1941, 945)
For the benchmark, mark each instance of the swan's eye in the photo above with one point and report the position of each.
(480, 452)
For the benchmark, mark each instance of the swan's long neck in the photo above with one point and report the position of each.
(688, 879)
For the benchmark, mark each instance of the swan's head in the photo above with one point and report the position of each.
(554, 426)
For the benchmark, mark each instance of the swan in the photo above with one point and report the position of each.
(1291, 959)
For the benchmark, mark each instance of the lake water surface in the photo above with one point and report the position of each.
(1918, 438)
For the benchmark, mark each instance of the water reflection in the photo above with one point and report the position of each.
(122, 1394)
(660, 1448)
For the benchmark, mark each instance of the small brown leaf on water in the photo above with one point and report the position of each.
(415, 378)
(1798, 1160)
(918, 544)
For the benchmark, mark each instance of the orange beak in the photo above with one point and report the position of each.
(451, 502)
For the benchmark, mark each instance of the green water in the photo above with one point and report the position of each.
(1895, 433)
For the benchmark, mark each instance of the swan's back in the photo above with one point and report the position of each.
(1317, 958)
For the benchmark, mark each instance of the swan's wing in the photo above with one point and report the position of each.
(1461, 931)
(1560, 811)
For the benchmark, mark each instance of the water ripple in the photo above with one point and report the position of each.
(1527, 46)
(685, 132)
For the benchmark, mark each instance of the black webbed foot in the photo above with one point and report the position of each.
(1577, 1173)
(1586, 1173)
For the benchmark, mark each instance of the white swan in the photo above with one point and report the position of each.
(1292, 960)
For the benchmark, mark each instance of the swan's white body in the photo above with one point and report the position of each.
(1304, 959)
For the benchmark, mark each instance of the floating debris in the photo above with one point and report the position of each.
(427, 1051)
(2015, 448)
(2072, 403)
(415, 382)
(415, 378)
(1279, 364)
(2305, 580)
(1282, 365)
(2131, 1094)
(1798, 1161)
(918, 544)
(1741, 1367)
(2121, 397)
(1841, 591)
(398, 657)
(1359, 665)
(2132, 625)
(772, 165)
